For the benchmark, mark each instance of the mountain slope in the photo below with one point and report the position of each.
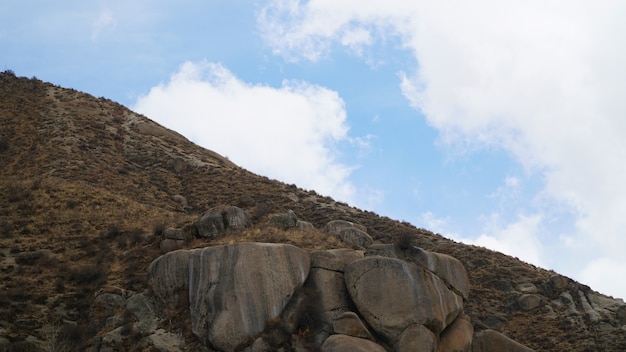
(87, 186)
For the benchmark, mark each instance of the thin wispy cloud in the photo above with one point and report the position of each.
(104, 20)
(540, 80)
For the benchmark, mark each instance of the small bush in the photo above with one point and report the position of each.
(158, 228)
(405, 240)
(4, 144)
(87, 274)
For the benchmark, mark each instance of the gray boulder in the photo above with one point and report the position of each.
(350, 324)
(458, 336)
(392, 294)
(235, 289)
(210, 224)
(285, 221)
(236, 218)
(326, 281)
(416, 338)
(447, 268)
(169, 245)
(168, 276)
(174, 234)
(493, 341)
(336, 226)
(345, 343)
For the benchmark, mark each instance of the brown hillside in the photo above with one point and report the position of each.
(86, 187)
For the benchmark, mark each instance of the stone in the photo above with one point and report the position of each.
(349, 323)
(416, 338)
(621, 315)
(285, 221)
(559, 282)
(447, 268)
(168, 276)
(107, 304)
(493, 341)
(326, 281)
(236, 218)
(527, 287)
(140, 307)
(593, 315)
(355, 237)
(210, 224)
(345, 343)
(458, 336)
(529, 302)
(174, 234)
(161, 341)
(392, 294)
(180, 199)
(336, 226)
(169, 245)
(235, 289)
(304, 225)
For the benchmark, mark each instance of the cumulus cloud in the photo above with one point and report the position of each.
(542, 80)
(287, 133)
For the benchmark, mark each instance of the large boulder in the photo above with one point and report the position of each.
(349, 232)
(493, 341)
(458, 336)
(447, 268)
(345, 343)
(210, 224)
(416, 338)
(330, 294)
(168, 276)
(235, 289)
(236, 218)
(392, 294)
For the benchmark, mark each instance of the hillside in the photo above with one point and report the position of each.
(87, 188)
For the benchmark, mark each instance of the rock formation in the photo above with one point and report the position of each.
(260, 296)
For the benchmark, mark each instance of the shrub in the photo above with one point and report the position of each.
(4, 144)
(158, 228)
(87, 274)
(405, 240)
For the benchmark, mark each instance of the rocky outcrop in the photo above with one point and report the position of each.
(259, 296)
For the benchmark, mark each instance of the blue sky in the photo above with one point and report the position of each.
(496, 123)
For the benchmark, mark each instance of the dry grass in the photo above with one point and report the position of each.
(85, 184)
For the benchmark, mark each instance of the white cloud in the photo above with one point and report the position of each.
(519, 239)
(543, 80)
(287, 133)
(605, 274)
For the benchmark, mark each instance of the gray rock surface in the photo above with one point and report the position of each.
(392, 294)
(350, 324)
(458, 336)
(416, 338)
(235, 289)
(493, 341)
(345, 343)
(447, 268)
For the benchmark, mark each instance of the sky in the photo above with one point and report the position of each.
(495, 123)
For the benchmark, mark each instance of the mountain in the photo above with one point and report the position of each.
(88, 189)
